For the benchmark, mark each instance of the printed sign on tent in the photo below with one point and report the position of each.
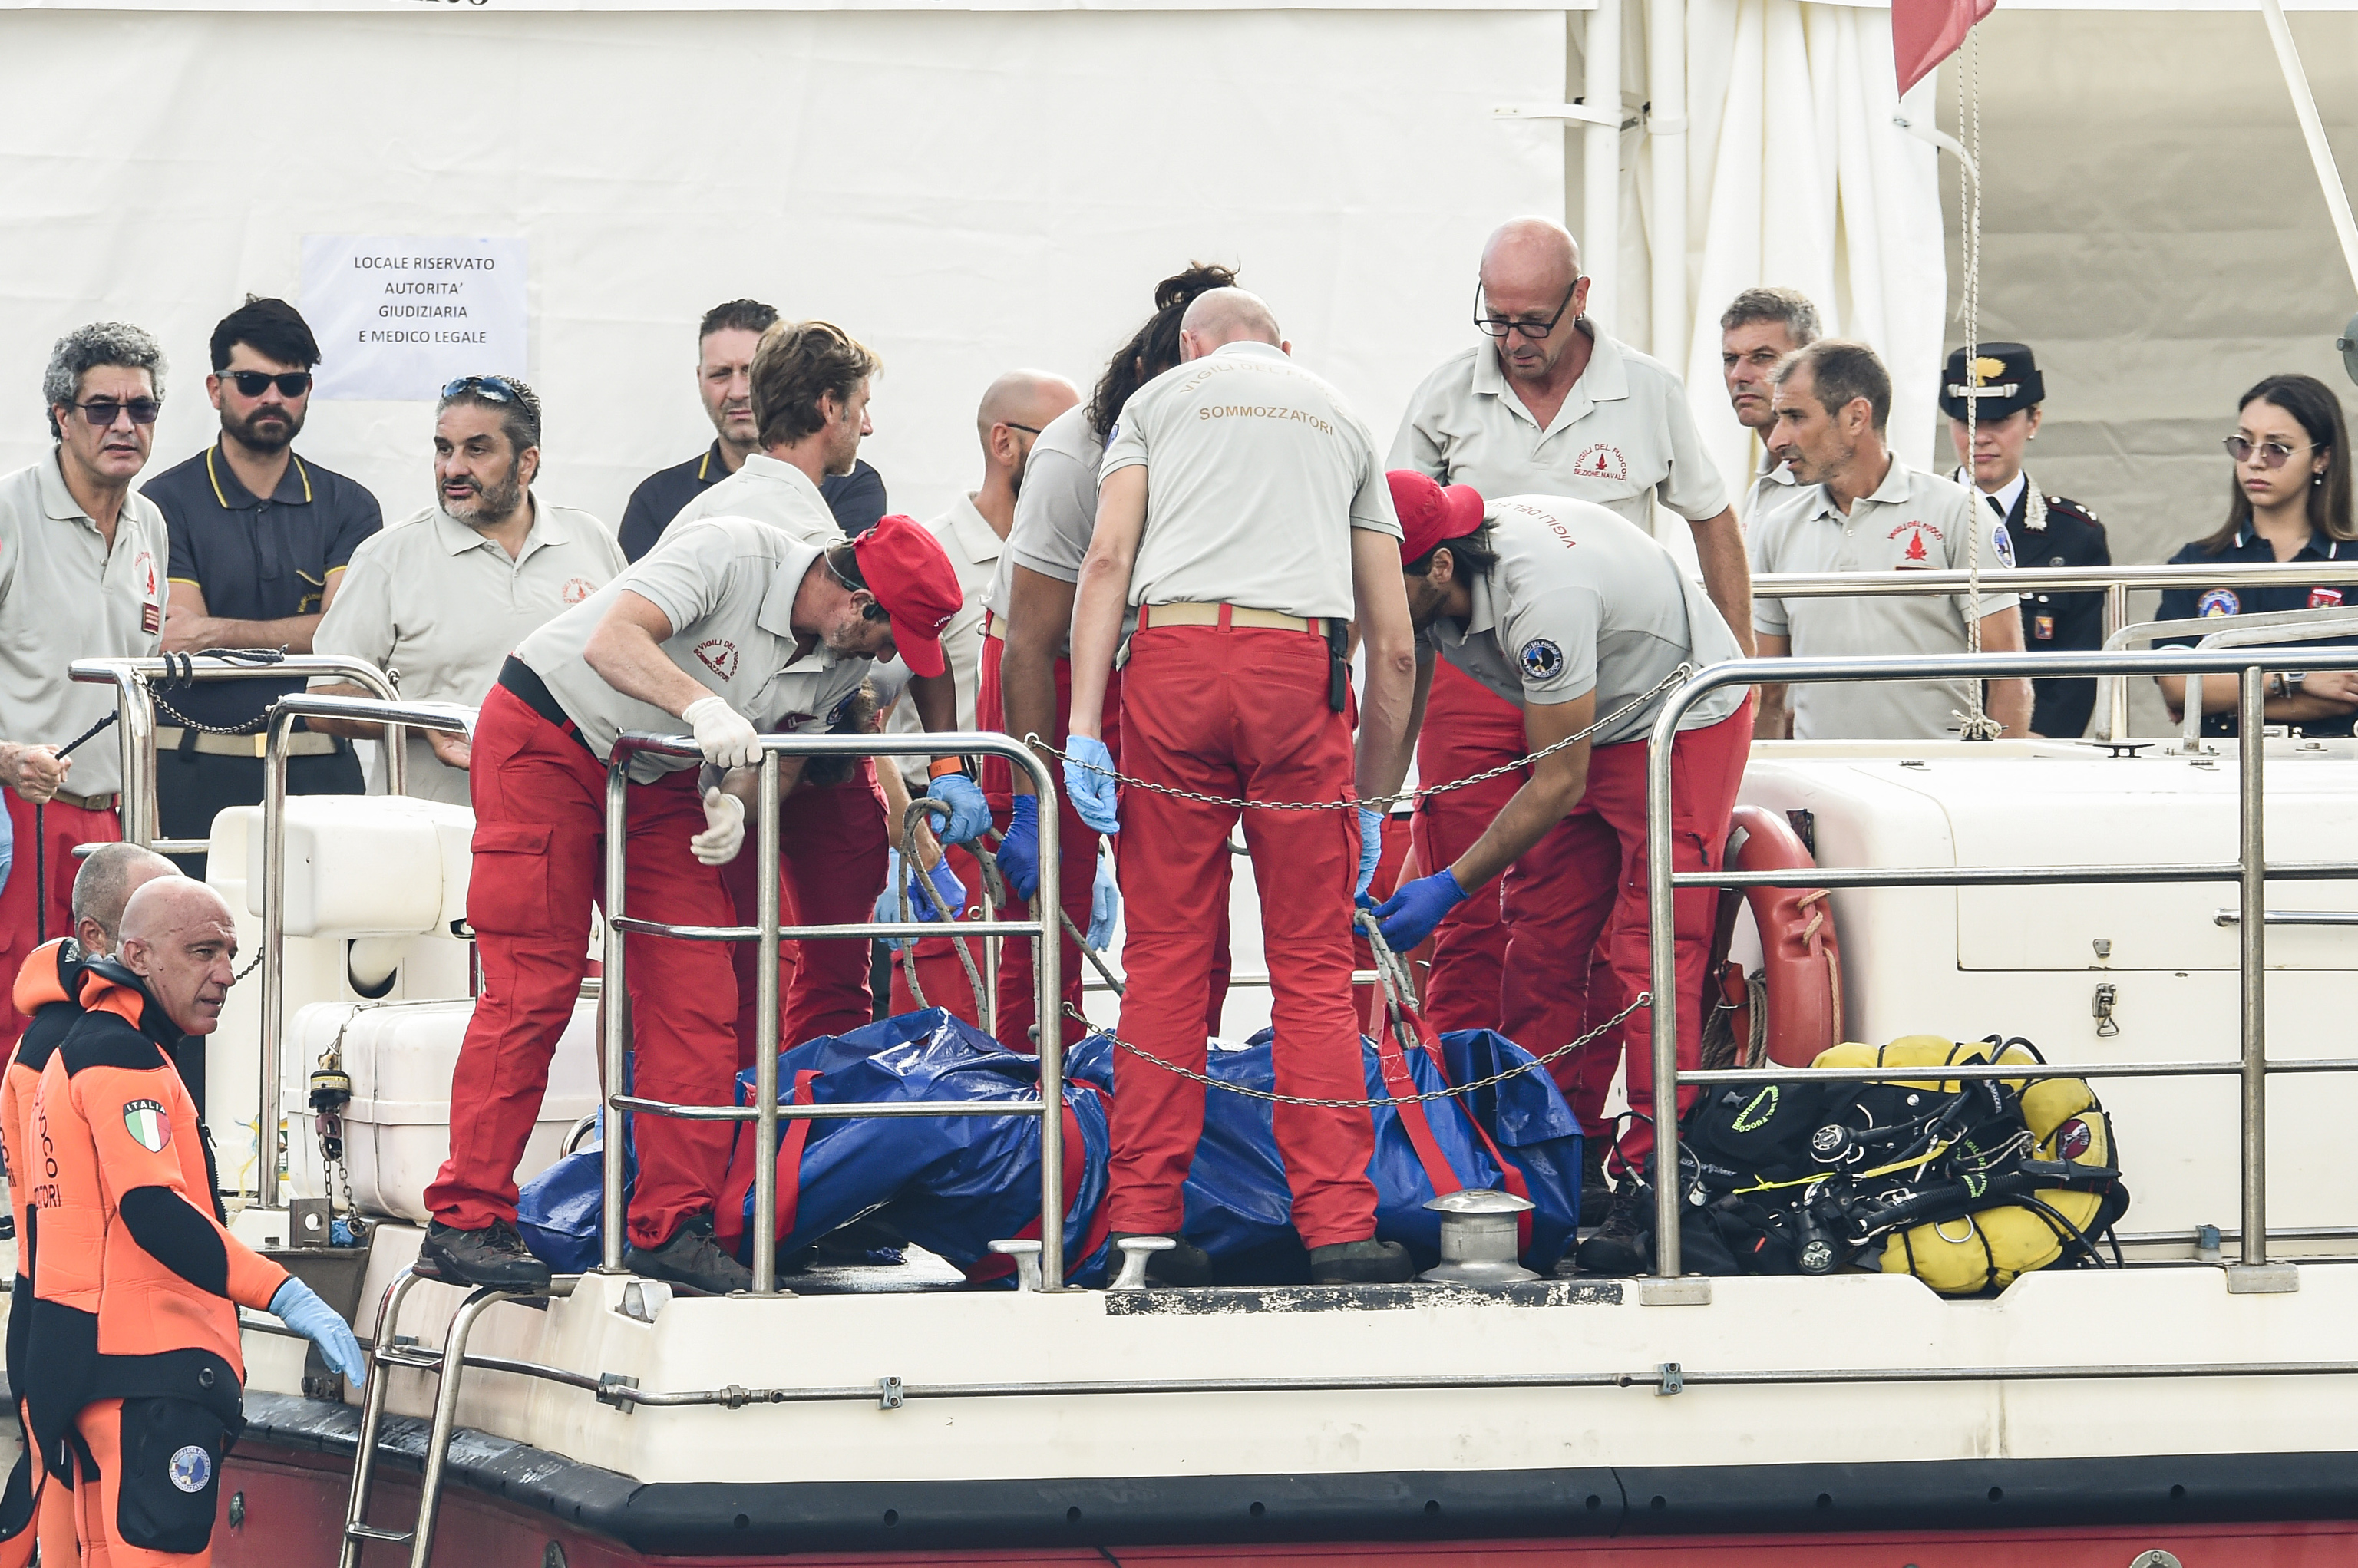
(399, 315)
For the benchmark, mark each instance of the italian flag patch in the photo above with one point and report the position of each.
(149, 1125)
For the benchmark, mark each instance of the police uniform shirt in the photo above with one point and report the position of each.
(1056, 512)
(727, 585)
(64, 595)
(1912, 521)
(2057, 533)
(1583, 601)
(442, 604)
(856, 499)
(2248, 548)
(1258, 473)
(1624, 435)
(256, 559)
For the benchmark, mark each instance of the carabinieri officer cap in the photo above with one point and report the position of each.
(2003, 377)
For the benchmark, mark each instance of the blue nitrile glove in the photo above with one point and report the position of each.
(1105, 906)
(969, 813)
(1371, 847)
(938, 894)
(1409, 916)
(1089, 782)
(888, 904)
(1018, 847)
(298, 1306)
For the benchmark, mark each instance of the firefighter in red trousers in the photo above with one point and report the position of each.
(736, 629)
(1026, 685)
(135, 1372)
(1578, 617)
(1241, 512)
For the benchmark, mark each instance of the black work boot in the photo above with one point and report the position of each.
(1595, 1192)
(691, 1258)
(494, 1256)
(1624, 1244)
(1369, 1262)
(1185, 1264)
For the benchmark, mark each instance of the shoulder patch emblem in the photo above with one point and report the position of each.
(148, 1123)
(2218, 602)
(2004, 543)
(1541, 659)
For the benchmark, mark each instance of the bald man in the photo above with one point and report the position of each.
(1549, 405)
(1014, 410)
(135, 1342)
(1242, 514)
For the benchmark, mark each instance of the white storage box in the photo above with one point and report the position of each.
(397, 1128)
(364, 865)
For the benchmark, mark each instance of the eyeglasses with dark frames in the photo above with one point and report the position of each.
(1532, 331)
(1027, 429)
(102, 412)
(2271, 454)
(255, 382)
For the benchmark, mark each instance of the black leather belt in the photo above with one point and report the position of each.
(532, 691)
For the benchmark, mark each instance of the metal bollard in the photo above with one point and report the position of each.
(1479, 1239)
(1027, 1262)
(1136, 1250)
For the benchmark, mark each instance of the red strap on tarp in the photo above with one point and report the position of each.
(998, 1266)
(1508, 1170)
(728, 1216)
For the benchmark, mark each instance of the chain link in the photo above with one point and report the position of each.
(1377, 802)
(187, 677)
(1644, 998)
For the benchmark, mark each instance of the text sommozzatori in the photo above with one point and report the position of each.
(414, 287)
(1206, 370)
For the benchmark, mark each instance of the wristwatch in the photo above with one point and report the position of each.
(942, 767)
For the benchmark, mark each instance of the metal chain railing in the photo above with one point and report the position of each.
(1381, 802)
(187, 677)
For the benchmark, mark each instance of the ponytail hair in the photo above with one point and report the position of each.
(1154, 348)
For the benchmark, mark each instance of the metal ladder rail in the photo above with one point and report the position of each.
(447, 1364)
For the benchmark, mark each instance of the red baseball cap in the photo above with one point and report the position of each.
(912, 578)
(1431, 515)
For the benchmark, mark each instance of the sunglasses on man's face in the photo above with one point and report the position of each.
(255, 382)
(102, 412)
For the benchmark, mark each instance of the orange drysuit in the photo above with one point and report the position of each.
(132, 1351)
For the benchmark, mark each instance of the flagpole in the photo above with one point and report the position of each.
(2312, 130)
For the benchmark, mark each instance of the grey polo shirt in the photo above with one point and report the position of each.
(771, 491)
(975, 550)
(1258, 472)
(65, 595)
(443, 605)
(1583, 600)
(1624, 435)
(727, 585)
(1056, 512)
(1912, 521)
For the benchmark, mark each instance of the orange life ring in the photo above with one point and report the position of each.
(1800, 958)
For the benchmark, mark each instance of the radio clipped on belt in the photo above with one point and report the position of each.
(1338, 664)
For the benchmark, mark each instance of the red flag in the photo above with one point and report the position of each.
(1926, 32)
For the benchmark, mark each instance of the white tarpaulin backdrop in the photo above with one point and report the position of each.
(970, 192)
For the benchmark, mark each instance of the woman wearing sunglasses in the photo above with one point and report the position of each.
(2290, 501)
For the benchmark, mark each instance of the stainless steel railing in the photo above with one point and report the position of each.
(299, 705)
(766, 1112)
(2115, 582)
(2250, 871)
(136, 720)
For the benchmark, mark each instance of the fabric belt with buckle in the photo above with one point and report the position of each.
(172, 738)
(990, 626)
(1187, 613)
(88, 802)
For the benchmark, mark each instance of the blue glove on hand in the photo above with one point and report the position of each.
(298, 1306)
(938, 894)
(888, 904)
(1409, 916)
(1105, 906)
(1371, 847)
(969, 813)
(1019, 847)
(1089, 782)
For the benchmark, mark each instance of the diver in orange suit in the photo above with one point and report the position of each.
(135, 1371)
(48, 992)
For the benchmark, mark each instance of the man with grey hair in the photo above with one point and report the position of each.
(447, 593)
(82, 575)
(1758, 330)
(110, 874)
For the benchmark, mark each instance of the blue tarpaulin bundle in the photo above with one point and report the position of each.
(953, 1184)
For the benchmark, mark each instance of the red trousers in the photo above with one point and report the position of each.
(22, 927)
(831, 851)
(1581, 890)
(1238, 712)
(540, 817)
(1468, 729)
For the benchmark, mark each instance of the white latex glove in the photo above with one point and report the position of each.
(724, 828)
(727, 737)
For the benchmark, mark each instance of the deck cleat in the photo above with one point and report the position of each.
(1179, 1264)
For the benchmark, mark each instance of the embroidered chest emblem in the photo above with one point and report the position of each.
(719, 656)
(1915, 552)
(1602, 461)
